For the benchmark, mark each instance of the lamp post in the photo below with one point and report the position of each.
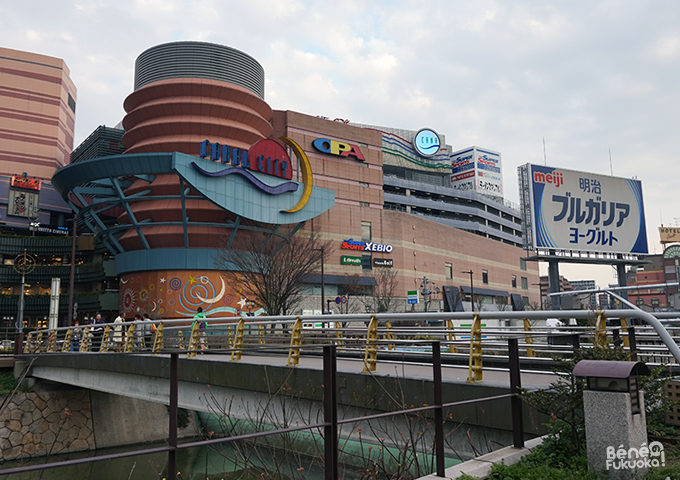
(250, 304)
(23, 264)
(472, 289)
(323, 280)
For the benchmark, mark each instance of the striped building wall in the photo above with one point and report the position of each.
(37, 114)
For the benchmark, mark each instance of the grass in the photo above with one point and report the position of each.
(6, 381)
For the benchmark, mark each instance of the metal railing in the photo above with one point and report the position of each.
(466, 337)
(331, 421)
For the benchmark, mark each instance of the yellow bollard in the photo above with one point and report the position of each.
(237, 345)
(371, 355)
(129, 339)
(338, 335)
(158, 339)
(624, 333)
(85, 341)
(52, 341)
(528, 338)
(601, 330)
(194, 341)
(106, 340)
(260, 334)
(451, 336)
(389, 335)
(295, 341)
(66, 346)
(475, 366)
(38, 343)
(30, 342)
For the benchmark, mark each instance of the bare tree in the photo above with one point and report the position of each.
(352, 288)
(384, 292)
(272, 270)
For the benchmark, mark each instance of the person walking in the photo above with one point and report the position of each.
(118, 326)
(201, 326)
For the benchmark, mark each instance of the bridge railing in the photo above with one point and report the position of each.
(330, 424)
(468, 337)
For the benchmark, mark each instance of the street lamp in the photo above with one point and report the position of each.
(323, 280)
(250, 304)
(472, 289)
(23, 264)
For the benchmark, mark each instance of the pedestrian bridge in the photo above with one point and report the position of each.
(386, 375)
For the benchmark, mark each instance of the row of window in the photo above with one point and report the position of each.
(485, 276)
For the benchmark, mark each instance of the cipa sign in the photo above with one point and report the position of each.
(426, 142)
(341, 149)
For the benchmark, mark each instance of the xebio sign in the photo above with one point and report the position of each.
(340, 149)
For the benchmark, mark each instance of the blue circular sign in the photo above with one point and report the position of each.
(426, 142)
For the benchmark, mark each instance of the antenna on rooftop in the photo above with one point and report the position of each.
(611, 168)
(545, 159)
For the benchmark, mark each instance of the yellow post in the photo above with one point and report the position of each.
(475, 366)
(371, 355)
(158, 340)
(624, 333)
(129, 339)
(260, 334)
(106, 340)
(38, 343)
(451, 336)
(52, 341)
(601, 330)
(295, 341)
(389, 335)
(237, 345)
(30, 342)
(528, 338)
(194, 341)
(180, 340)
(66, 346)
(338, 334)
(85, 341)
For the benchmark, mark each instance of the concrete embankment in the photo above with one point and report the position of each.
(52, 421)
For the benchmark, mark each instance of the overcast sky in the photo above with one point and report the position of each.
(587, 76)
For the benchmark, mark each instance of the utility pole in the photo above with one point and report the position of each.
(71, 283)
(472, 289)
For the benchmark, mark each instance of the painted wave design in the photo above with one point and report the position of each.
(427, 149)
(277, 190)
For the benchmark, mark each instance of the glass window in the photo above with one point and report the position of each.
(485, 276)
(525, 283)
(514, 281)
(525, 300)
(449, 270)
(522, 264)
(366, 231)
(366, 262)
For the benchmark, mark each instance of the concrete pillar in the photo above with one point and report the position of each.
(611, 429)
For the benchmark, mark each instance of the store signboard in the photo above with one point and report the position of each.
(412, 296)
(669, 234)
(347, 260)
(383, 262)
(340, 149)
(581, 211)
(477, 169)
(25, 183)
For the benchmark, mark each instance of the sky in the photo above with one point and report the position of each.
(588, 78)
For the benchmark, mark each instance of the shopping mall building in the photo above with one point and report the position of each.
(201, 162)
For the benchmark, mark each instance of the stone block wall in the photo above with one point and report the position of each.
(42, 423)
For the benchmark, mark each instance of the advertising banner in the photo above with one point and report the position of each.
(477, 169)
(580, 211)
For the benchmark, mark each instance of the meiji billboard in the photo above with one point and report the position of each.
(477, 169)
(583, 211)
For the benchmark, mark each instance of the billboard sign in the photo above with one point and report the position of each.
(477, 169)
(580, 211)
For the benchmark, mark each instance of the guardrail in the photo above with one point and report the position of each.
(464, 336)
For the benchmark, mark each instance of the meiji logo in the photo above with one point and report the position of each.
(622, 459)
(554, 178)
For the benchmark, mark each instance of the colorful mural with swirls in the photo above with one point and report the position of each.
(178, 293)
